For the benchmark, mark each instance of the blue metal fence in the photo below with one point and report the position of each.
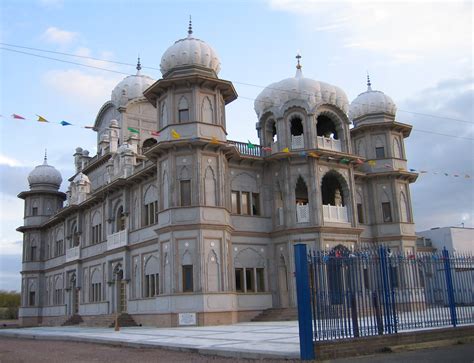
(375, 292)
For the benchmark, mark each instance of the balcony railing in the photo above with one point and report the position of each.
(334, 213)
(117, 240)
(73, 254)
(302, 213)
(297, 142)
(246, 148)
(328, 143)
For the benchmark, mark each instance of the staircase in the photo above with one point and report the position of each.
(75, 319)
(277, 314)
(124, 320)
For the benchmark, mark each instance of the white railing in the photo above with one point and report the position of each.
(117, 240)
(334, 213)
(328, 143)
(73, 254)
(297, 142)
(302, 213)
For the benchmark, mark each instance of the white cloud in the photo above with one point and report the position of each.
(6, 160)
(408, 31)
(92, 90)
(58, 36)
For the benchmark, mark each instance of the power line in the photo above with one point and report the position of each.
(242, 97)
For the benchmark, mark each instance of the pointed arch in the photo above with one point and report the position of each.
(209, 187)
(213, 277)
(183, 109)
(360, 148)
(397, 149)
(151, 265)
(164, 114)
(207, 114)
(151, 278)
(379, 148)
(165, 190)
(184, 173)
(187, 258)
(404, 211)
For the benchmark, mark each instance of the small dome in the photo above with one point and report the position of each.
(190, 51)
(371, 102)
(45, 176)
(300, 88)
(131, 87)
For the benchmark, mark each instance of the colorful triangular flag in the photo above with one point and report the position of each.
(155, 133)
(214, 140)
(41, 119)
(387, 165)
(313, 154)
(372, 162)
(303, 153)
(175, 134)
(250, 145)
(65, 123)
(266, 148)
(412, 170)
(286, 150)
(18, 117)
(131, 129)
(345, 161)
(358, 161)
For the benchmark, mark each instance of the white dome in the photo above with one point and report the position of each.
(300, 88)
(371, 102)
(190, 52)
(45, 174)
(131, 87)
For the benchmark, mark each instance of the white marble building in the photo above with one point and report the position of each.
(190, 225)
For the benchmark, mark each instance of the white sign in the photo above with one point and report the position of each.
(187, 319)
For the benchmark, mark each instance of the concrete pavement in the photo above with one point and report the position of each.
(243, 340)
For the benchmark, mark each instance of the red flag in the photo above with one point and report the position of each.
(18, 117)
(155, 133)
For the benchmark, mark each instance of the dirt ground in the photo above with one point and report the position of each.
(14, 350)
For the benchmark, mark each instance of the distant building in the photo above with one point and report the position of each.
(173, 223)
(457, 239)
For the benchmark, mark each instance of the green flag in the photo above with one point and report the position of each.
(250, 145)
(131, 129)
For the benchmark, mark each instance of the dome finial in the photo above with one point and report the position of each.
(298, 57)
(139, 65)
(190, 27)
(45, 162)
(369, 85)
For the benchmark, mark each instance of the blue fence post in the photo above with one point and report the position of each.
(386, 288)
(304, 303)
(449, 286)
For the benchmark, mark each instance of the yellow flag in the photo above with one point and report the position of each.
(174, 134)
(214, 140)
(41, 119)
(313, 154)
(372, 162)
(286, 150)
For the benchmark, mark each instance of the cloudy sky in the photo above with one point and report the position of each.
(418, 52)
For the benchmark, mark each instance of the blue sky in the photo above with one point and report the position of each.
(419, 53)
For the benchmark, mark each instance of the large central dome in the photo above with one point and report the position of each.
(300, 88)
(190, 51)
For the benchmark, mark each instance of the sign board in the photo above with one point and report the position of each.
(187, 319)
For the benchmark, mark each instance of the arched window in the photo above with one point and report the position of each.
(148, 143)
(249, 271)
(271, 136)
(119, 219)
(34, 208)
(184, 187)
(301, 196)
(360, 208)
(206, 111)
(187, 272)
(334, 192)
(96, 286)
(165, 190)
(59, 243)
(58, 291)
(296, 129)
(210, 187)
(96, 234)
(360, 149)
(75, 238)
(386, 208)
(150, 202)
(379, 148)
(325, 127)
(151, 278)
(183, 110)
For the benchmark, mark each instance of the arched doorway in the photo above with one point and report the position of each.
(73, 295)
(297, 133)
(301, 198)
(327, 134)
(120, 290)
(334, 194)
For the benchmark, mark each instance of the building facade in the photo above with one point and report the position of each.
(174, 224)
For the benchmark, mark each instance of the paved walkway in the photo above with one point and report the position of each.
(243, 340)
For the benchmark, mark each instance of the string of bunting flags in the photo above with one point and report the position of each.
(176, 135)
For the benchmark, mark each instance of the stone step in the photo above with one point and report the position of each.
(277, 314)
(75, 319)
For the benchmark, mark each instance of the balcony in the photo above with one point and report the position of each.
(302, 213)
(334, 213)
(116, 240)
(328, 143)
(297, 142)
(73, 254)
